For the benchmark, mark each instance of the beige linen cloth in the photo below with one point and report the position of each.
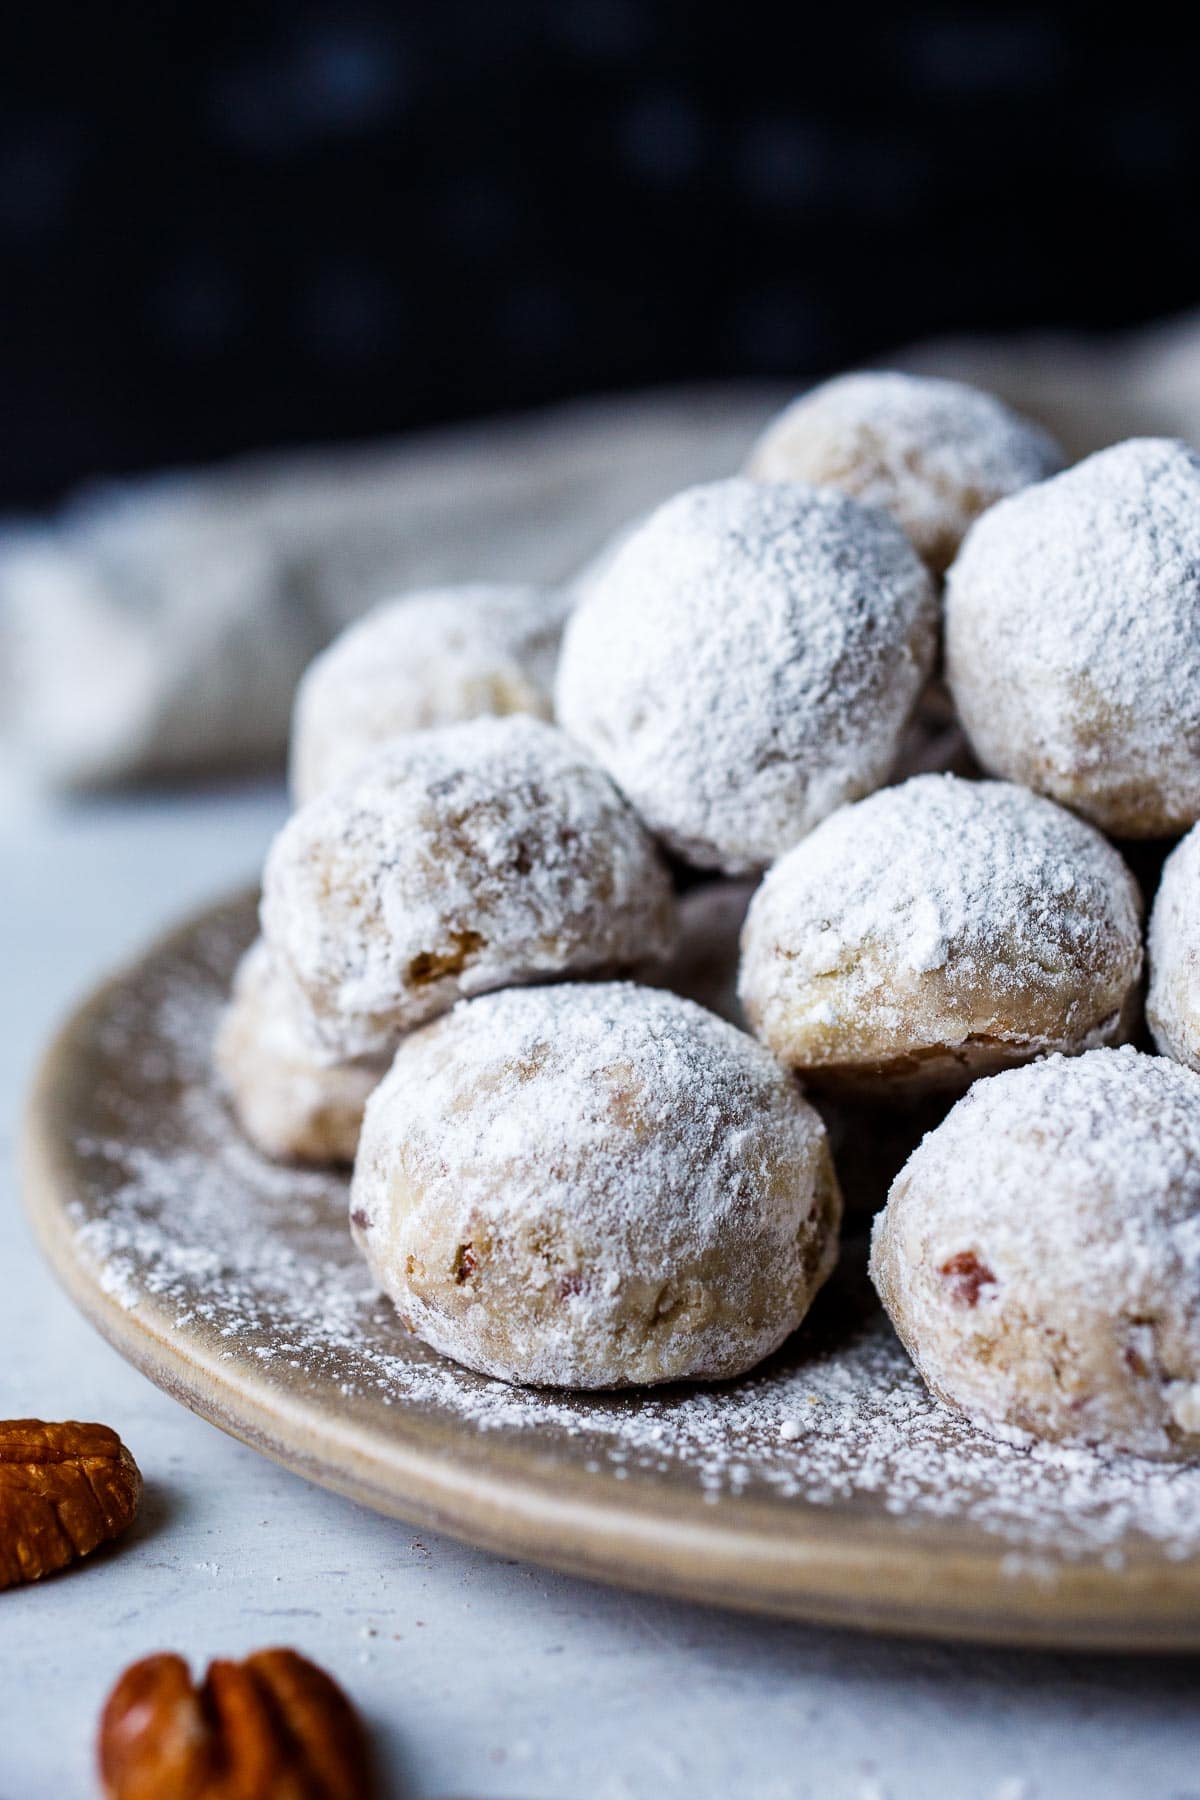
(156, 628)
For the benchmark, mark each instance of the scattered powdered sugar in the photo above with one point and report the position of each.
(438, 656)
(455, 861)
(1073, 637)
(181, 1216)
(938, 911)
(746, 662)
(932, 453)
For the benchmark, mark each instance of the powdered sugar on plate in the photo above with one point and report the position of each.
(176, 1215)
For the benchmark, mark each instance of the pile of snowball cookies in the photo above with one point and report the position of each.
(890, 694)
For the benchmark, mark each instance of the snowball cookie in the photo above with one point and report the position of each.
(1073, 638)
(936, 932)
(748, 662)
(290, 1105)
(451, 862)
(436, 657)
(932, 453)
(1173, 998)
(592, 1186)
(1039, 1254)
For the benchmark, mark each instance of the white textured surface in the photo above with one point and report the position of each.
(939, 915)
(594, 1184)
(482, 1678)
(932, 453)
(1072, 638)
(450, 863)
(747, 662)
(1039, 1253)
(435, 657)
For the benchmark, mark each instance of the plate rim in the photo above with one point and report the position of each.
(828, 1568)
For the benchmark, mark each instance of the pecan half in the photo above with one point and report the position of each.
(64, 1489)
(274, 1727)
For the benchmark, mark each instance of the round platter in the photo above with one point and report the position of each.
(826, 1486)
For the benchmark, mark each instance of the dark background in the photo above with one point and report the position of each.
(223, 229)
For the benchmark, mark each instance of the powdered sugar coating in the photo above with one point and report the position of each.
(452, 862)
(1073, 638)
(747, 662)
(932, 453)
(593, 1186)
(438, 656)
(939, 930)
(1173, 997)
(1039, 1254)
(291, 1105)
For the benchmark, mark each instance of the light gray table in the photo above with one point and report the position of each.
(479, 1677)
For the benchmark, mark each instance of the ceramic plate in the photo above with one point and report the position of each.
(826, 1486)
